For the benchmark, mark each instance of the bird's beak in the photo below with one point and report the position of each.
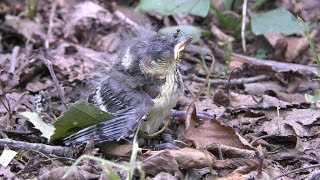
(183, 41)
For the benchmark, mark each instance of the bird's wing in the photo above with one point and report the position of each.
(130, 105)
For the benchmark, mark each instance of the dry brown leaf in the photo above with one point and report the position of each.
(273, 37)
(234, 175)
(235, 163)
(163, 176)
(163, 161)
(31, 30)
(213, 133)
(221, 98)
(289, 47)
(243, 100)
(6, 173)
(261, 87)
(191, 116)
(77, 173)
(189, 157)
(114, 149)
(83, 11)
(251, 101)
(39, 85)
(296, 122)
(292, 98)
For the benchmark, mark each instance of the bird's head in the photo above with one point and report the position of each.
(155, 56)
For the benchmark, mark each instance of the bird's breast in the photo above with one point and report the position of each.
(167, 98)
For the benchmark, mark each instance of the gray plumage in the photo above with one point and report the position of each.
(140, 89)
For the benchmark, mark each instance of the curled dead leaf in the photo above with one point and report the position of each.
(162, 161)
(214, 132)
(189, 157)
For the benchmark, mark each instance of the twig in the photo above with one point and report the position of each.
(278, 66)
(46, 149)
(297, 170)
(48, 63)
(232, 81)
(14, 59)
(127, 20)
(253, 142)
(243, 25)
(49, 32)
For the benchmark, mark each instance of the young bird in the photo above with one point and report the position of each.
(140, 89)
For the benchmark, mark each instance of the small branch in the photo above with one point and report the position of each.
(253, 142)
(48, 63)
(127, 20)
(278, 66)
(46, 149)
(231, 82)
(243, 25)
(297, 170)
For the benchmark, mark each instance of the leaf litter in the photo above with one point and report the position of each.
(84, 38)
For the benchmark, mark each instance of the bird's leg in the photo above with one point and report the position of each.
(144, 135)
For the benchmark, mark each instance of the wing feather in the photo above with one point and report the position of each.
(128, 104)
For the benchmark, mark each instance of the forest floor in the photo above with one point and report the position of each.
(257, 116)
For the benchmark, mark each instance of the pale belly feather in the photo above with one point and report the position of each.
(163, 103)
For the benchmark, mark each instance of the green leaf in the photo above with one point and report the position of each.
(315, 98)
(79, 116)
(46, 129)
(170, 7)
(278, 20)
(187, 30)
(227, 4)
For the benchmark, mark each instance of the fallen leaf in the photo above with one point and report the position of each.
(79, 116)
(38, 85)
(115, 149)
(297, 122)
(213, 133)
(6, 172)
(164, 175)
(234, 175)
(260, 87)
(7, 156)
(251, 101)
(77, 173)
(31, 30)
(46, 129)
(188, 157)
(85, 10)
(163, 161)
